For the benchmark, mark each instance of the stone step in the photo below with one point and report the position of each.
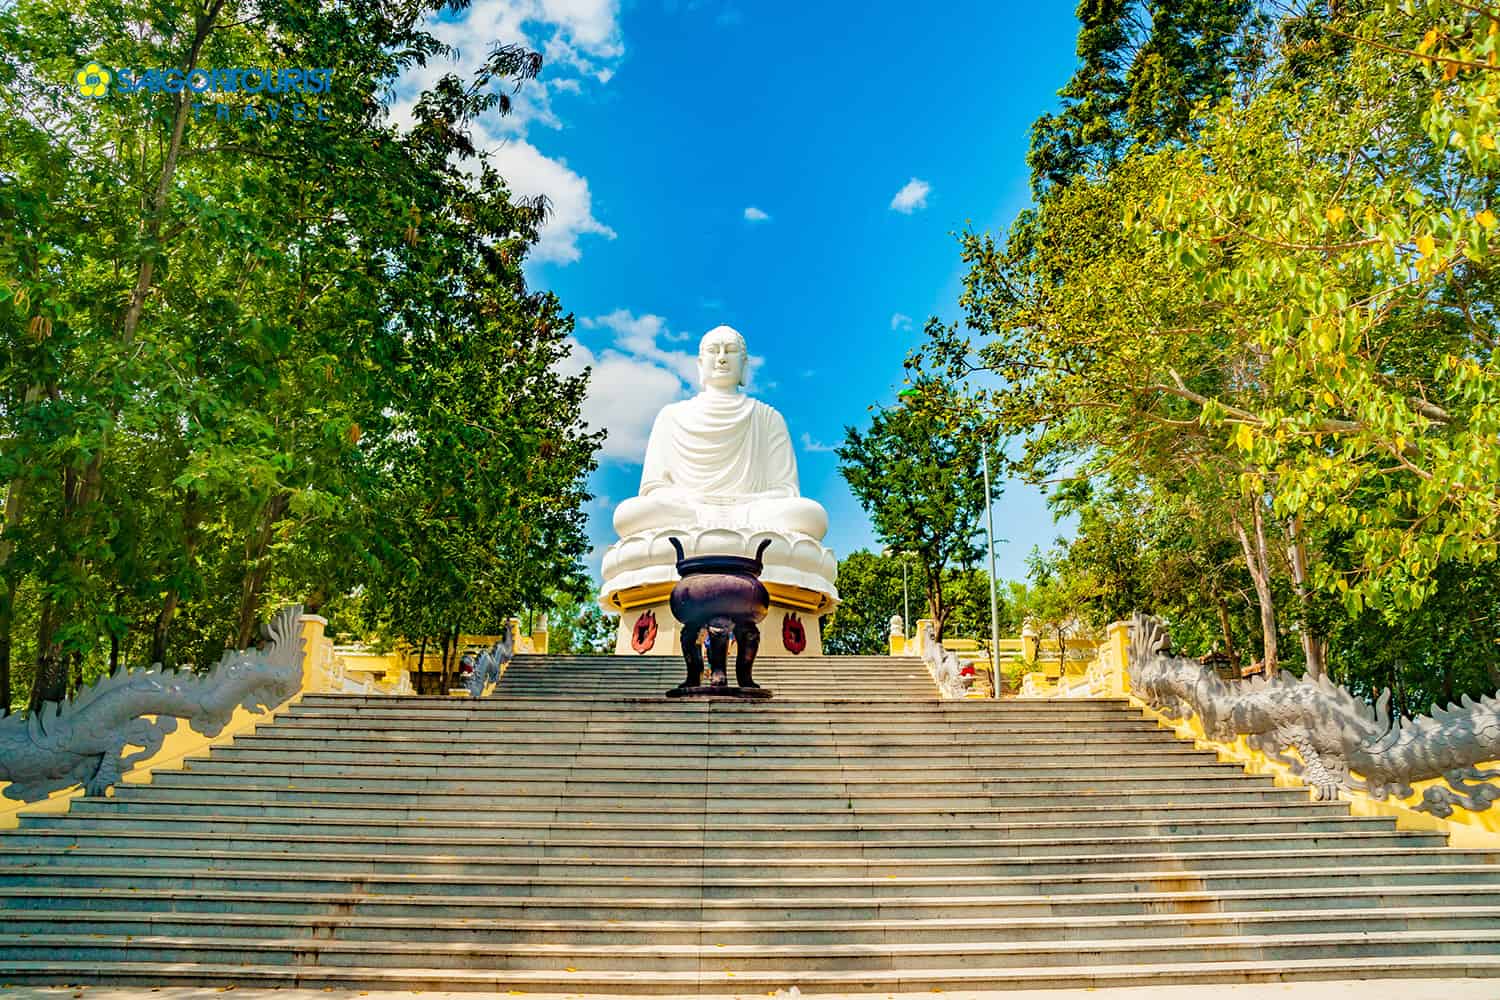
(101, 817)
(714, 782)
(762, 958)
(398, 844)
(728, 769)
(301, 739)
(591, 835)
(848, 703)
(469, 710)
(1277, 802)
(24, 862)
(1468, 867)
(1266, 897)
(721, 729)
(996, 761)
(186, 789)
(712, 933)
(1092, 974)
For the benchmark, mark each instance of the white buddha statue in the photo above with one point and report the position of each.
(719, 475)
(720, 459)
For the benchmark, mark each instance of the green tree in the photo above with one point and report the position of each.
(1275, 329)
(229, 379)
(915, 470)
(869, 593)
(580, 627)
(1144, 66)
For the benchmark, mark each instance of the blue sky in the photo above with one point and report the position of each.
(796, 170)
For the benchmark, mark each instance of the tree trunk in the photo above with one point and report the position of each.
(1260, 574)
(1224, 626)
(13, 497)
(935, 604)
(258, 567)
(191, 514)
(7, 619)
(450, 667)
(51, 682)
(1314, 646)
(159, 628)
(443, 664)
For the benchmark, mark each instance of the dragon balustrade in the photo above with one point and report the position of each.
(84, 740)
(1340, 741)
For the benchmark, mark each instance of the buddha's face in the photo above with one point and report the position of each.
(721, 360)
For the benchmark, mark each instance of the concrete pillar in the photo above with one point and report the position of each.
(317, 652)
(1117, 648)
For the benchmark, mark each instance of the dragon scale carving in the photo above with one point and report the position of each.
(1336, 735)
(83, 741)
(492, 663)
(946, 671)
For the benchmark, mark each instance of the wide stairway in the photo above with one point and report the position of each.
(578, 833)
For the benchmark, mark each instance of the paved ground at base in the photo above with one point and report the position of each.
(1363, 989)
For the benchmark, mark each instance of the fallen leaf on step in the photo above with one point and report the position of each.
(570, 969)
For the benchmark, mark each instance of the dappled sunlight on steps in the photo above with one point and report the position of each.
(577, 832)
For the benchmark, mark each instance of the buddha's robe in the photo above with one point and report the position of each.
(720, 459)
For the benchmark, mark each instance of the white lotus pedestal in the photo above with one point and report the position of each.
(640, 570)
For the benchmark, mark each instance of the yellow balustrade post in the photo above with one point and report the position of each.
(1028, 643)
(539, 636)
(317, 654)
(921, 632)
(897, 635)
(1117, 644)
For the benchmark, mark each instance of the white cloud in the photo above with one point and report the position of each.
(527, 172)
(633, 378)
(624, 395)
(753, 214)
(635, 337)
(900, 321)
(808, 444)
(580, 41)
(911, 197)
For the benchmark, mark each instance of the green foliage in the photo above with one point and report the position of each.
(1144, 67)
(580, 626)
(1258, 345)
(869, 593)
(249, 361)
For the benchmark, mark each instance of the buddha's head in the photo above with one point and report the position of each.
(722, 359)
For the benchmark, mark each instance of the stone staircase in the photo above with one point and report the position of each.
(578, 833)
